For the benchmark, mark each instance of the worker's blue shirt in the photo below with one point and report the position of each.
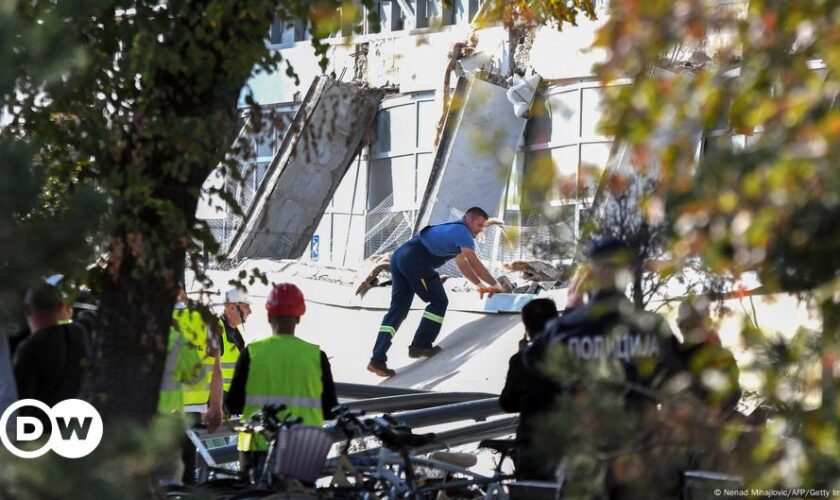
(447, 239)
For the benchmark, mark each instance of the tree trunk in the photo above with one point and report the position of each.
(129, 347)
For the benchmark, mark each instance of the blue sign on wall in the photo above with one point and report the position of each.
(315, 247)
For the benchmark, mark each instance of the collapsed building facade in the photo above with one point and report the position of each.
(408, 126)
(440, 115)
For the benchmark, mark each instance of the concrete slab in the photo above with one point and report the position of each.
(326, 134)
(475, 154)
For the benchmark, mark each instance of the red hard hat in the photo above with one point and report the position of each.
(285, 299)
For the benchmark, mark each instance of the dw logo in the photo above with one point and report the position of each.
(76, 428)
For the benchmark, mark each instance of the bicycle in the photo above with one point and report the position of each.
(393, 472)
(280, 471)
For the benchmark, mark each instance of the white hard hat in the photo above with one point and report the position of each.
(237, 295)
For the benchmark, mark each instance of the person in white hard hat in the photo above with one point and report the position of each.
(236, 312)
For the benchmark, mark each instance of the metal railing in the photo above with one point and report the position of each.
(429, 408)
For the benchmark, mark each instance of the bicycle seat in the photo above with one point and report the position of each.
(400, 436)
(505, 446)
(458, 459)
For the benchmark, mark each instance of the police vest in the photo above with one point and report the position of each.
(283, 370)
(229, 357)
(195, 330)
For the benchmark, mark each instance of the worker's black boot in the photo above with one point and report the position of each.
(423, 352)
(380, 368)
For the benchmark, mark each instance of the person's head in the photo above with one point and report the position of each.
(41, 306)
(285, 306)
(536, 314)
(610, 265)
(65, 310)
(476, 219)
(694, 319)
(237, 306)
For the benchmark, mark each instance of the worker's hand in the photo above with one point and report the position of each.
(577, 289)
(213, 418)
(489, 291)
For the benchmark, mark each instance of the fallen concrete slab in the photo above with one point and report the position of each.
(326, 135)
(475, 155)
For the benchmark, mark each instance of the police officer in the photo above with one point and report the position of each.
(413, 272)
(603, 340)
(236, 311)
(281, 369)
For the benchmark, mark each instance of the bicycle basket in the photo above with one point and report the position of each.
(301, 452)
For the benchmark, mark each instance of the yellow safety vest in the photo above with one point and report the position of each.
(228, 358)
(196, 332)
(183, 366)
(284, 370)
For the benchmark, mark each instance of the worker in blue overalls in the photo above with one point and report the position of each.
(413, 272)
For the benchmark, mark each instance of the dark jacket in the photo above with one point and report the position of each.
(696, 360)
(514, 385)
(49, 364)
(607, 331)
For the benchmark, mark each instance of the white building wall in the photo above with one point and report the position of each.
(413, 62)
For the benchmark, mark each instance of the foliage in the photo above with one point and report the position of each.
(137, 106)
(46, 216)
(759, 80)
(128, 464)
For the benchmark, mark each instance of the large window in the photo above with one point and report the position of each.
(401, 157)
(563, 133)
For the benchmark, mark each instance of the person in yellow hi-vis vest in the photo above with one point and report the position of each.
(281, 369)
(202, 400)
(236, 312)
(183, 366)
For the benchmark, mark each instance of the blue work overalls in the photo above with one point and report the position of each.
(413, 272)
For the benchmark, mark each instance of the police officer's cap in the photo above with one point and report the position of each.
(607, 247)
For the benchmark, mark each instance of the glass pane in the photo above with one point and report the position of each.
(538, 130)
(395, 130)
(424, 170)
(591, 112)
(566, 167)
(403, 179)
(593, 161)
(426, 125)
(379, 182)
(382, 136)
(564, 110)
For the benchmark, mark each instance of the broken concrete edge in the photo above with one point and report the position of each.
(284, 218)
(286, 149)
(334, 286)
(454, 110)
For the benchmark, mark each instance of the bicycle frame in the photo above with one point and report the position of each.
(399, 488)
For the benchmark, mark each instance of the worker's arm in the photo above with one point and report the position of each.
(235, 400)
(213, 417)
(329, 400)
(478, 268)
(466, 270)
